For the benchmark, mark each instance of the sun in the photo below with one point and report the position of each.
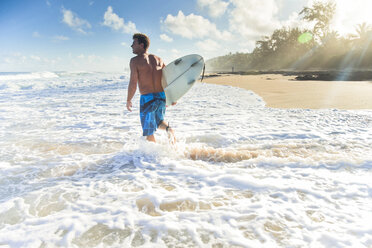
(349, 14)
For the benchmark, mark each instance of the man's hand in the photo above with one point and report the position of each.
(129, 106)
(173, 103)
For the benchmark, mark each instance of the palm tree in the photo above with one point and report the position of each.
(322, 14)
(363, 30)
(363, 42)
(364, 35)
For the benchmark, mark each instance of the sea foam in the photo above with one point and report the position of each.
(75, 171)
(26, 76)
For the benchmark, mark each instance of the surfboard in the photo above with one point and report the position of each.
(179, 76)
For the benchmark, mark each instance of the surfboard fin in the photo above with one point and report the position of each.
(191, 82)
(177, 61)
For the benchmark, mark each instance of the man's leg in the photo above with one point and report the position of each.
(164, 126)
(151, 138)
(148, 124)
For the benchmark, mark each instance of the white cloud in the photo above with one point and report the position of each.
(89, 59)
(168, 55)
(253, 18)
(166, 38)
(67, 62)
(295, 21)
(17, 54)
(193, 26)
(216, 8)
(34, 57)
(123, 44)
(7, 60)
(18, 60)
(73, 21)
(115, 22)
(208, 45)
(14, 59)
(36, 34)
(247, 46)
(60, 37)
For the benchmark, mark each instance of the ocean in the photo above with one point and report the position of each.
(76, 172)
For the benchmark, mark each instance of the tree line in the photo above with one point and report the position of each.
(319, 48)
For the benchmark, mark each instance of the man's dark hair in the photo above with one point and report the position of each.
(142, 39)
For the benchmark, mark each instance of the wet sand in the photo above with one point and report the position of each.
(280, 91)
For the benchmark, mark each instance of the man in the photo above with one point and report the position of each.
(146, 70)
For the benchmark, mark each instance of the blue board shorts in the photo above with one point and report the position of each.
(152, 110)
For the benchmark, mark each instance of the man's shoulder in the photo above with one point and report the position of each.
(158, 60)
(134, 60)
(155, 56)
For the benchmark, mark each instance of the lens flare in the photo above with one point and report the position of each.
(305, 38)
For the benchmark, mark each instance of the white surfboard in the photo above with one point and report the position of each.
(180, 75)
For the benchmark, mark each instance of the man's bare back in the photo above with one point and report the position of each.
(148, 68)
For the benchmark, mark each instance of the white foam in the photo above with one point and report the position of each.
(55, 82)
(75, 171)
(27, 76)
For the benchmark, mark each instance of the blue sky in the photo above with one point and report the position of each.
(95, 35)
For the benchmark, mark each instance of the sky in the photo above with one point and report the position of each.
(95, 35)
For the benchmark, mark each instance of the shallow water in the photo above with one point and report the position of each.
(75, 171)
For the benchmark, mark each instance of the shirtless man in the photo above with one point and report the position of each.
(146, 69)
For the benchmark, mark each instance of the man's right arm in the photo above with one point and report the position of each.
(132, 87)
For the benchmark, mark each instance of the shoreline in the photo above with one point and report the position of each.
(310, 75)
(284, 91)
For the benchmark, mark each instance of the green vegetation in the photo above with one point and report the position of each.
(296, 49)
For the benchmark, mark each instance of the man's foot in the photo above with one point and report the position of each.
(171, 136)
(151, 138)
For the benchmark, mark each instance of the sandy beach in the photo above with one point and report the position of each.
(280, 91)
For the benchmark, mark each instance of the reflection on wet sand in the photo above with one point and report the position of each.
(219, 155)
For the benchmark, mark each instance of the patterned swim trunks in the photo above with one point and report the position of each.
(152, 110)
